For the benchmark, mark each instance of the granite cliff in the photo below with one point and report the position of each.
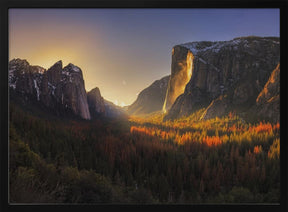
(59, 89)
(225, 75)
(268, 101)
(95, 102)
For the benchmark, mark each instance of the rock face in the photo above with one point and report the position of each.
(95, 102)
(151, 99)
(271, 88)
(238, 69)
(182, 61)
(59, 89)
(25, 79)
(217, 108)
(268, 101)
(98, 106)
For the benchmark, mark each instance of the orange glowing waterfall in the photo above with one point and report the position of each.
(181, 72)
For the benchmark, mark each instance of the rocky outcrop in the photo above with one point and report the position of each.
(151, 99)
(58, 89)
(217, 108)
(268, 101)
(25, 79)
(238, 69)
(95, 102)
(271, 88)
(73, 89)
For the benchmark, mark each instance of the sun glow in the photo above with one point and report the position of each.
(48, 56)
(121, 104)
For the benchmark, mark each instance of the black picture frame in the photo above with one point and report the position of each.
(6, 4)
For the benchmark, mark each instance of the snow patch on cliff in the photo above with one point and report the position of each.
(199, 47)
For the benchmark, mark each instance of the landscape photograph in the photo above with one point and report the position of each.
(144, 106)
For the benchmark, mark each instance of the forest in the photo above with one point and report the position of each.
(142, 160)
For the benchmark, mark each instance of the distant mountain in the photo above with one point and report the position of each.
(151, 99)
(100, 107)
(114, 111)
(224, 76)
(95, 102)
(58, 90)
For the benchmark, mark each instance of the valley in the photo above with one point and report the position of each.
(143, 161)
(207, 133)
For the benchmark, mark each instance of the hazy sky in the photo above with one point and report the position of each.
(122, 51)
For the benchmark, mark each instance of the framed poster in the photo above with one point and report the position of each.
(144, 106)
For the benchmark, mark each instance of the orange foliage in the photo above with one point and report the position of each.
(233, 128)
(222, 130)
(164, 135)
(143, 130)
(182, 139)
(262, 127)
(276, 126)
(212, 141)
(231, 115)
(274, 151)
(257, 149)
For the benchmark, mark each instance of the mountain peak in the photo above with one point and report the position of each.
(72, 67)
(17, 62)
(57, 65)
(59, 62)
(95, 102)
(95, 90)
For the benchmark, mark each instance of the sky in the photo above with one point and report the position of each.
(123, 51)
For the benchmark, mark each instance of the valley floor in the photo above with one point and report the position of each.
(143, 160)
